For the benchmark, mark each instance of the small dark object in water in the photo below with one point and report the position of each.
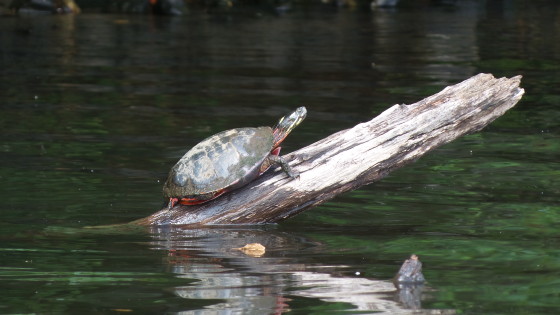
(410, 272)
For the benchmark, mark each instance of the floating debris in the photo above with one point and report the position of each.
(253, 249)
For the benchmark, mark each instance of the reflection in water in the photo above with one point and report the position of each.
(269, 284)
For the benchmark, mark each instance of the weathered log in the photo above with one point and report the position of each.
(355, 157)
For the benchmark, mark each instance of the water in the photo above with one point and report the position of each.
(96, 108)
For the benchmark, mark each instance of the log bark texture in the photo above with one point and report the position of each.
(355, 157)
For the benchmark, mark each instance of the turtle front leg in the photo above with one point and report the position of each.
(276, 159)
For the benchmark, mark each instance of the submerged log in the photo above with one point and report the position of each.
(355, 157)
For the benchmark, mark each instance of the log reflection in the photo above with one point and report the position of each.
(284, 275)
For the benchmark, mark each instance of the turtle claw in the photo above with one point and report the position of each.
(293, 174)
(289, 170)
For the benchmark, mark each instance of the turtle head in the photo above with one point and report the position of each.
(287, 123)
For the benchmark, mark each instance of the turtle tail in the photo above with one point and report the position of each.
(286, 124)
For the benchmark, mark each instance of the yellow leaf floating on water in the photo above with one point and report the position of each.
(253, 249)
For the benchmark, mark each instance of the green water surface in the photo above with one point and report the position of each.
(95, 109)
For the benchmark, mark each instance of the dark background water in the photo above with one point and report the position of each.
(95, 109)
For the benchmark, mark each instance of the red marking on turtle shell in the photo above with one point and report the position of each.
(195, 201)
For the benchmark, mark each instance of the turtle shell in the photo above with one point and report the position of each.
(225, 160)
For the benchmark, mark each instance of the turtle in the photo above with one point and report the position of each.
(229, 160)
